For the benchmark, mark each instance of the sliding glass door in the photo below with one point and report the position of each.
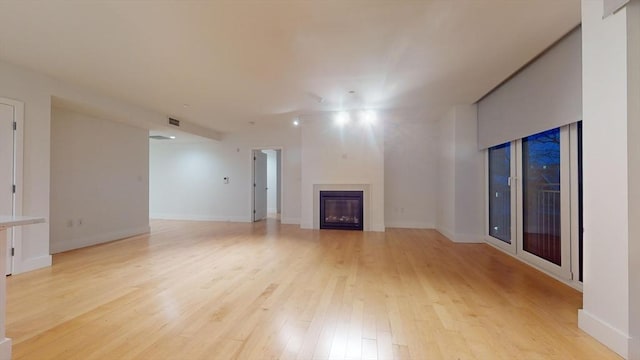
(529, 198)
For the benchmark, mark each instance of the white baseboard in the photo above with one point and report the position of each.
(31, 264)
(446, 233)
(461, 238)
(189, 217)
(409, 225)
(272, 210)
(468, 239)
(5, 349)
(306, 226)
(293, 221)
(611, 337)
(377, 228)
(634, 348)
(96, 239)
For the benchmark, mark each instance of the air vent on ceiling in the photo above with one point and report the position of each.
(159, 137)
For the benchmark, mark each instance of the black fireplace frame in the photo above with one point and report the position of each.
(346, 195)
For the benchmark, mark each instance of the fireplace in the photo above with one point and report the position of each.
(342, 210)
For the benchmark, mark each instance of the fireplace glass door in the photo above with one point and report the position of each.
(341, 210)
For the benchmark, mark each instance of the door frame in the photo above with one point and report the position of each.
(569, 274)
(18, 158)
(251, 177)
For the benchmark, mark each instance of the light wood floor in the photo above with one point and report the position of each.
(201, 290)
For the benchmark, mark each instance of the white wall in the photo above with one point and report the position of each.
(461, 178)
(351, 154)
(36, 91)
(633, 134)
(272, 181)
(605, 313)
(445, 200)
(186, 180)
(470, 186)
(99, 180)
(32, 251)
(410, 173)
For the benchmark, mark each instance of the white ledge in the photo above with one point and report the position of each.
(11, 221)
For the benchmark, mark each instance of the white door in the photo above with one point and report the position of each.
(7, 173)
(259, 185)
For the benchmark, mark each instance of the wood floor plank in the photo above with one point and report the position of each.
(218, 290)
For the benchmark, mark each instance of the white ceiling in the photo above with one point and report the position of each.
(234, 62)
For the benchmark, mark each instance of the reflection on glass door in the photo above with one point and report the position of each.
(541, 197)
(500, 192)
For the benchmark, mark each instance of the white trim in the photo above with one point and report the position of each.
(30, 264)
(634, 348)
(461, 238)
(508, 247)
(252, 179)
(18, 150)
(613, 338)
(5, 349)
(192, 217)
(468, 239)
(409, 225)
(98, 239)
(574, 206)
(292, 221)
(446, 233)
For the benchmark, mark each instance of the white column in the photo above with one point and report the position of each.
(611, 173)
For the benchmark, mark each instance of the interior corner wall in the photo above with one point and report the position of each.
(460, 200)
(99, 180)
(469, 177)
(36, 90)
(445, 214)
(351, 154)
(605, 312)
(186, 179)
(410, 173)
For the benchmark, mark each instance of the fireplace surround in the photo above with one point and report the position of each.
(342, 210)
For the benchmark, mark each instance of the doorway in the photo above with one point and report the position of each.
(534, 202)
(11, 123)
(266, 183)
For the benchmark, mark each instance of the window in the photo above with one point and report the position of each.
(533, 185)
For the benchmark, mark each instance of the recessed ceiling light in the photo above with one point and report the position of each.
(368, 116)
(172, 137)
(352, 91)
(342, 118)
(296, 123)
